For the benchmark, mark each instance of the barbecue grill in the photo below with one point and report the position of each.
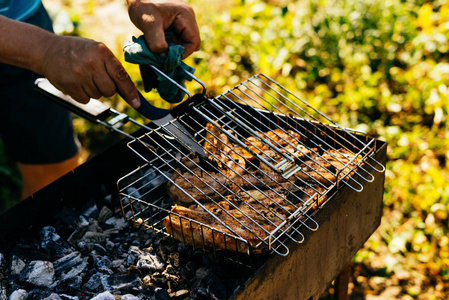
(269, 152)
(232, 127)
(276, 161)
(320, 237)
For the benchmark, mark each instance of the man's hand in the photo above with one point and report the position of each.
(84, 69)
(153, 17)
(79, 67)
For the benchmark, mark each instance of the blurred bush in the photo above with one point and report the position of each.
(377, 66)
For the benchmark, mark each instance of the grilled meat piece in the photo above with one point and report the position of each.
(251, 215)
(246, 200)
(213, 235)
(338, 159)
(325, 168)
(203, 185)
(196, 184)
(278, 137)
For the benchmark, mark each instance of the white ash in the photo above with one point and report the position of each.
(19, 295)
(130, 297)
(68, 297)
(85, 257)
(39, 273)
(3, 277)
(104, 296)
(118, 223)
(53, 296)
(105, 213)
(17, 265)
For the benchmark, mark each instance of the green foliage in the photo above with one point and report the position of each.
(378, 66)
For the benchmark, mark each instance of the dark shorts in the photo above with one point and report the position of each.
(33, 128)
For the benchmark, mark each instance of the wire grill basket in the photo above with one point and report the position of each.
(276, 162)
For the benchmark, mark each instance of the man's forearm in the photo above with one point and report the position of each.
(21, 44)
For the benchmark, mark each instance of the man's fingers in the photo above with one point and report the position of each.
(92, 90)
(155, 39)
(187, 32)
(124, 84)
(105, 85)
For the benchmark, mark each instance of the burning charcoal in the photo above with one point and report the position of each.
(100, 249)
(67, 262)
(167, 246)
(201, 294)
(129, 214)
(82, 221)
(132, 191)
(118, 223)
(197, 256)
(117, 263)
(94, 283)
(174, 259)
(52, 242)
(161, 294)
(94, 237)
(105, 270)
(80, 232)
(68, 297)
(209, 259)
(202, 274)
(38, 294)
(109, 245)
(206, 277)
(130, 297)
(68, 270)
(18, 295)
(105, 213)
(38, 272)
(94, 226)
(3, 275)
(74, 271)
(91, 212)
(85, 247)
(133, 255)
(216, 287)
(102, 262)
(104, 296)
(170, 270)
(77, 235)
(188, 271)
(53, 296)
(120, 282)
(17, 265)
(181, 294)
(156, 279)
(147, 261)
(71, 284)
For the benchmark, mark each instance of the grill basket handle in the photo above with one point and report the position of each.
(92, 111)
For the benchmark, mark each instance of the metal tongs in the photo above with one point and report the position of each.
(97, 112)
(164, 119)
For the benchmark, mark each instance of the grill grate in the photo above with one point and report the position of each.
(280, 160)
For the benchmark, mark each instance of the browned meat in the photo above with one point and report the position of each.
(339, 158)
(196, 184)
(220, 237)
(324, 168)
(251, 215)
(246, 198)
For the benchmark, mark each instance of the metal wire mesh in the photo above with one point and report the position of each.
(276, 161)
